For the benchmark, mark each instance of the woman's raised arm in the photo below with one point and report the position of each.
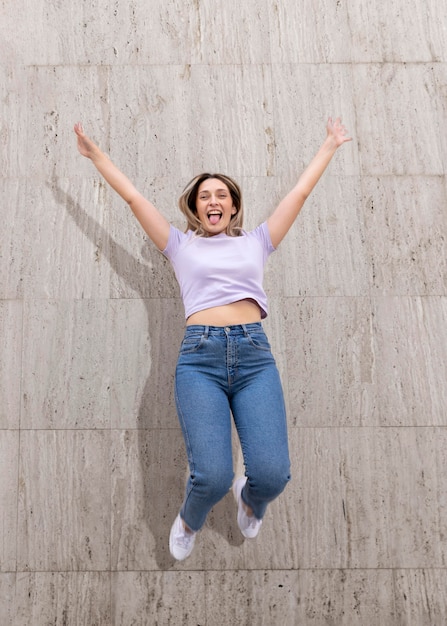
(152, 221)
(287, 211)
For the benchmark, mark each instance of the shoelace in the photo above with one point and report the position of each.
(183, 540)
(254, 521)
(251, 521)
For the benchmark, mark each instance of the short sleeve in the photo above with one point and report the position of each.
(175, 239)
(262, 235)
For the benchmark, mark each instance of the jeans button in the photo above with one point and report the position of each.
(227, 329)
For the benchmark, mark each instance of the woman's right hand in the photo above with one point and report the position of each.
(85, 145)
(155, 225)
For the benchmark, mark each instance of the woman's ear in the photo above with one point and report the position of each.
(233, 211)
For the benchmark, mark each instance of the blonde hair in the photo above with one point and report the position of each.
(187, 204)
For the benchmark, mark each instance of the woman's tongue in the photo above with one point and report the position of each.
(214, 218)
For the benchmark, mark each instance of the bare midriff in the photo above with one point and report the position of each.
(240, 312)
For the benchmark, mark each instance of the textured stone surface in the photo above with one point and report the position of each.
(12, 252)
(404, 136)
(62, 598)
(368, 498)
(11, 324)
(64, 501)
(405, 222)
(7, 593)
(155, 126)
(159, 597)
(92, 463)
(420, 596)
(66, 364)
(317, 597)
(329, 387)
(411, 364)
(9, 452)
(356, 33)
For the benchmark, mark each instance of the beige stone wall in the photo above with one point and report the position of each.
(92, 464)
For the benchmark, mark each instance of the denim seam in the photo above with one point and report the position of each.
(185, 430)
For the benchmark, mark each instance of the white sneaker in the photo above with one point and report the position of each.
(181, 541)
(249, 524)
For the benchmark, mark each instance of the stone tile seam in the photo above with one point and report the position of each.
(111, 66)
(226, 570)
(178, 429)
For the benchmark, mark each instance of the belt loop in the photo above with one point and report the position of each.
(244, 327)
(206, 332)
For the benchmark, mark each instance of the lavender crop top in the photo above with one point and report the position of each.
(219, 270)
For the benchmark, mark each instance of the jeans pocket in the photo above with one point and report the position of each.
(191, 344)
(259, 341)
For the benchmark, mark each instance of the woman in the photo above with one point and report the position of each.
(225, 365)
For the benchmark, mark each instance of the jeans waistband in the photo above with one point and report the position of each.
(237, 329)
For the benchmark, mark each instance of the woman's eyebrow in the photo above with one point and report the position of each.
(217, 190)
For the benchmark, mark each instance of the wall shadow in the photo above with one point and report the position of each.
(161, 452)
(153, 443)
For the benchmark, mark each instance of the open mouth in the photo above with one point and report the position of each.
(214, 217)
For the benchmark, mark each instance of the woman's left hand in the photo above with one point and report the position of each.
(337, 131)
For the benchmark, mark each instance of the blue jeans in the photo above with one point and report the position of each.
(223, 371)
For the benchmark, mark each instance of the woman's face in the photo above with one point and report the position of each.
(214, 206)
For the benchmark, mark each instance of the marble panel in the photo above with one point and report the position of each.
(131, 364)
(328, 32)
(14, 95)
(331, 362)
(324, 254)
(66, 364)
(61, 96)
(64, 501)
(7, 594)
(421, 596)
(397, 31)
(368, 498)
(161, 113)
(400, 119)
(352, 361)
(305, 96)
(82, 34)
(65, 247)
(62, 598)
(13, 251)
(146, 337)
(9, 464)
(149, 470)
(314, 598)
(11, 362)
(410, 356)
(310, 32)
(440, 84)
(406, 227)
(221, 39)
(148, 598)
(137, 33)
